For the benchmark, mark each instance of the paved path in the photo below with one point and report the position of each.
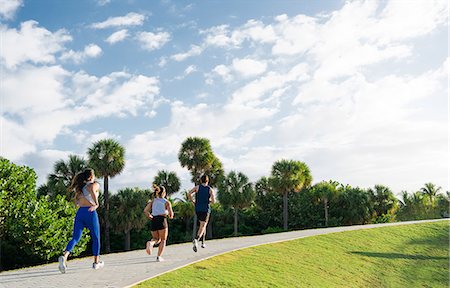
(128, 268)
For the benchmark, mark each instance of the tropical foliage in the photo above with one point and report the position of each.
(289, 176)
(235, 191)
(169, 180)
(126, 212)
(59, 181)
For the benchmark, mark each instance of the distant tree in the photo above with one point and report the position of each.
(431, 191)
(289, 176)
(107, 158)
(59, 181)
(354, 205)
(197, 156)
(235, 191)
(324, 191)
(269, 203)
(384, 202)
(169, 180)
(126, 212)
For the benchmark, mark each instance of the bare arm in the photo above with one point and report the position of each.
(147, 210)
(169, 208)
(193, 190)
(212, 200)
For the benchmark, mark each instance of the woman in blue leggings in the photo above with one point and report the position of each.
(86, 198)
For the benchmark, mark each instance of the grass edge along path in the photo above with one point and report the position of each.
(414, 255)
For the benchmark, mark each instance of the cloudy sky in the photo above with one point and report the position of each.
(358, 90)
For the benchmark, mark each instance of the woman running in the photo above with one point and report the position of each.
(157, 210)
(86, 198)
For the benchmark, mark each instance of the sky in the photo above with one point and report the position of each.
(358, 90)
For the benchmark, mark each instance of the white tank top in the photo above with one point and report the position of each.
(159, 206)
(88, 195)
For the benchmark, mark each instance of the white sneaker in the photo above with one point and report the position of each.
(203, 245)
(98, 265)
(195, 242)
(62, 264)
(159, 259)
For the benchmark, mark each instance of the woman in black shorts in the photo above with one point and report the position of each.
(157, 210)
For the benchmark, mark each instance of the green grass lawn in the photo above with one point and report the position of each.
(400, 256)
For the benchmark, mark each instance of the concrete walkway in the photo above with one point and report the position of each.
(129, 268)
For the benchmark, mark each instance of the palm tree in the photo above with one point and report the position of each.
(324, 191)
(237, 192)
(127, 206)
(169, 180)
(431, 191)
(383, 200)
(107, 158)
(289, 176)
(196, 154)
(354, 205)
(59, 181)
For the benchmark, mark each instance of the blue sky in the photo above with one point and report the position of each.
(358, 90)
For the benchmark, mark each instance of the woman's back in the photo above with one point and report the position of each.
(159, 206)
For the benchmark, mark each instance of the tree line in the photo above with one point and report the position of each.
(35, 223)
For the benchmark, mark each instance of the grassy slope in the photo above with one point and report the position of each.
(401, 256)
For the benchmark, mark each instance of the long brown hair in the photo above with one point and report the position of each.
(158, 191)
(80, 180)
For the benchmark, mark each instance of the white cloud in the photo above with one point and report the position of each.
(249, 67)
(194, 51)
(131, 19)
(224, 72)
(90, 51)
(258, 92)
(189, 70)
(8, 8)
(117, 36)
(103, 2)
(31, 44)
(152, 41)
(36, 96)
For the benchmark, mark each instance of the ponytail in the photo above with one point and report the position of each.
(158, 191)
(79, 181)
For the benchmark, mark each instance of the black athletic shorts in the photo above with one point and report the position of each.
(202, 216)
(159, 223)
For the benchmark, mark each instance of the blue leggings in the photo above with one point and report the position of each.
(89, 220)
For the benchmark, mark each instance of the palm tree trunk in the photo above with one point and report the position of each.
(127, 241)
(325, 203)
(105, 185)
(235, 222)
(285, 210)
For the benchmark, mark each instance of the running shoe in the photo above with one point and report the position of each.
(195, 242)
(159, 259)
(98, 265)
(62, 264)
(203, 245)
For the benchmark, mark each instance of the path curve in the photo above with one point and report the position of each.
(126, 269)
